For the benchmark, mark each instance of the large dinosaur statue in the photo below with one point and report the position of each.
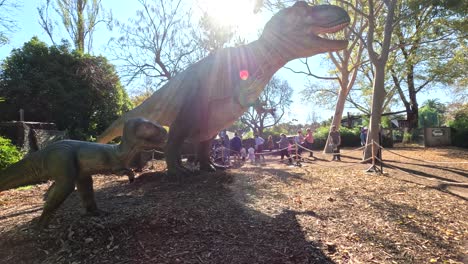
(71, 162)
(214, 92)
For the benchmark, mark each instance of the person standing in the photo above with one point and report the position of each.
(243, 153)
(363, 136)
(335, 139)
(236, 145)
(259, 146)
(283, 145)
(308, 141)
(270, 143)
(227, 149)
(298, 141)
(251, 153)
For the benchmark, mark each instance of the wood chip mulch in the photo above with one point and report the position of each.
(320, 212)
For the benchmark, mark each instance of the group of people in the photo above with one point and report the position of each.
(302, 142)
(255, 152)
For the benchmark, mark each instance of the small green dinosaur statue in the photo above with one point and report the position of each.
(71, 162)
(214, 92)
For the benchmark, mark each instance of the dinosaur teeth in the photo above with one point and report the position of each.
(329, 36)
(333, 29)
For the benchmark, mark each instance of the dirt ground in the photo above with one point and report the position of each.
(321, 212)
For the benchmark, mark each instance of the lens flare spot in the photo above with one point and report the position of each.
(244, 74)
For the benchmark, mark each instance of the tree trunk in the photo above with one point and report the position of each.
(337, 116)
(376, 114)
(80, 24)
(412, 116)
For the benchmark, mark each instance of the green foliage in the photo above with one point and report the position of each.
(276, 98)
(459, 126)
(9, 154)
(386, 122)
(249, 134)
(80, 93)
(275, 131)
(320, 136)
(432, 113)
(428, 117)
(407, 137)
(349, 137)
(25, 188)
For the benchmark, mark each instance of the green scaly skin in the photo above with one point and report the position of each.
(70, 162)
(210, 95)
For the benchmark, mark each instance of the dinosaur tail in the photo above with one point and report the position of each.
(18, 174)
(155, 108)
(116, 128)
(113, 131)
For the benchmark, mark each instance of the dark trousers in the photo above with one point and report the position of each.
(336, 156)
(308, 145)
(284, 152)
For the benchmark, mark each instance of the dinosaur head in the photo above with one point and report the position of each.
(298, 31)
(143, 134)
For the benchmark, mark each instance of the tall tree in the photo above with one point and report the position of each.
(348, 61)
(213, 35)
(429, 41)
(7, 22)
(157, 43)
(378, 48)
(80, 19)
(270, 107)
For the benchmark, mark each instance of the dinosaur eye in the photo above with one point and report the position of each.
(244, 74)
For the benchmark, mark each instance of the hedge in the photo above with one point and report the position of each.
(9, 154)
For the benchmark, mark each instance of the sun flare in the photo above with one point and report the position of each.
(236, 13)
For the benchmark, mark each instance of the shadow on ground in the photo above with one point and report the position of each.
(155, 221)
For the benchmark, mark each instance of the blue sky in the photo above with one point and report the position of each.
(27, 19)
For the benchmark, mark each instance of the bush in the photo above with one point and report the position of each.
(407, 137)
(459, 127)
(80, 93)
(9, 154)
(349, 137)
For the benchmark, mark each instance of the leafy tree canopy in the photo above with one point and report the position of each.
(80, 93)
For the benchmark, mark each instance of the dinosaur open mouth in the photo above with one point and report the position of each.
(332, 29)
(328, 34)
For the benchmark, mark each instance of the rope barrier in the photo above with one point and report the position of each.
(154, 151)
(341, 153)
(427, 161)
(344, 166)
(429, 179)
(299, 158)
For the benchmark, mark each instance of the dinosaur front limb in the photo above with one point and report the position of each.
(57, 193)
(204, 156)
(177, 134)
(84, 186)
(174, 167)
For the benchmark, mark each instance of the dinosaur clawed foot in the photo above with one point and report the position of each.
(96, 212)
(209, 167)
(40, 223)
(217, 166)
(177, 173)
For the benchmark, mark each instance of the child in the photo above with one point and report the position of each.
(284, 146)
(243, 153)
(290, 147)
(251, 151)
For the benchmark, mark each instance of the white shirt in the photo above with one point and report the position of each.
(259, 141)
(243, 152)
(251, 153)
